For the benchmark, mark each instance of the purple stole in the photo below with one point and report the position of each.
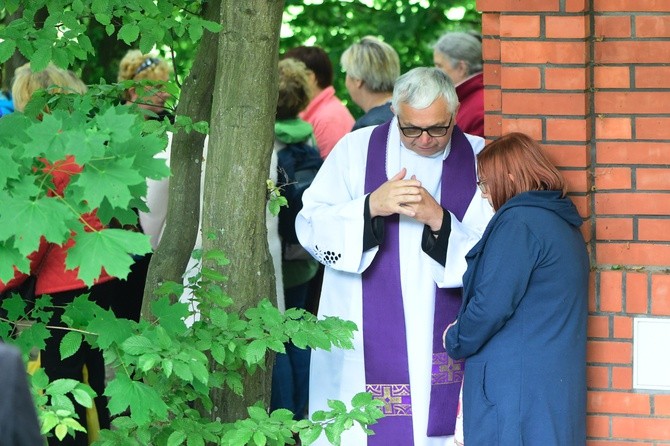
(384, 340)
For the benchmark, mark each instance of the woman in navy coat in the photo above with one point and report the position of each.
(522, 324)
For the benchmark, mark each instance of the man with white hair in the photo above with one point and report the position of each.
(391, 214)
(459, 55)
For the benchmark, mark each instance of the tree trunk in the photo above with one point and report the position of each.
(170, 259)
(242, 134)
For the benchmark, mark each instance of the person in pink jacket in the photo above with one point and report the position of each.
(327, 114)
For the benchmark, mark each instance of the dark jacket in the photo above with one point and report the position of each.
(18, 420)
(522, 326)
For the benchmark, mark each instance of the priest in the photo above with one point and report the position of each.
(391, 214)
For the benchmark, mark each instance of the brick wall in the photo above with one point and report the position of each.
(591, 81)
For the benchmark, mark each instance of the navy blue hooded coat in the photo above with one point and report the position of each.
(522, 326)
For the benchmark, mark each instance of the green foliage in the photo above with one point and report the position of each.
(165, 368)
(108, 154)
(410, 27)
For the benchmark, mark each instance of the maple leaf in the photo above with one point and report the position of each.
(107, 178)
(111, 249)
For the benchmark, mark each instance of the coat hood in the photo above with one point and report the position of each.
(546, 199)
(293, 130)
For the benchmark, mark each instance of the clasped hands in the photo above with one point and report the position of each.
(407, 197)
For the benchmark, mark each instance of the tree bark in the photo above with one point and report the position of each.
(241, 139)
(171, 257)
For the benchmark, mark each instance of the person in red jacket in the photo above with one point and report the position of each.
(48, 262)
(459, 55)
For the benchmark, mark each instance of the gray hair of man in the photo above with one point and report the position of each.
(374, 62)
(421, 86)
(457, 46)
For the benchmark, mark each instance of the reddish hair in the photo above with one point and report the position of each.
(513, 164)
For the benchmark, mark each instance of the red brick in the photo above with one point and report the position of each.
(543, 104)
(612, 77)
(597, 377)
(633, 254)
(622, 378)
(598, 326)
(613, 128)
(662, 405)
(652, 128)
(616, 443)
(492, 99)
(611, 291)
(609, 352)
(607, 178)
(491, 76)
(567, 27)
(640, 428)
(653, 230)
(567, 129)
(519, 26)
(614, 228)
(636, 292)
(492, 125)
(576, 5)
(660, 295)
(491, 24)
(532, 127)
(630, 5)
(490, 49)
(582, 204)
(618, 403)
(631, 152)
(598, 426)
(654, 26)
(518, 5)
(632, 203)
(612, 26)
(638, 51)
(565, 78)
(521, 78)
(631, 102)
(543, 52)
(587, 233)
(567, 155)
(652, 77)
(576, 180)
(653, 179)
(623, 327)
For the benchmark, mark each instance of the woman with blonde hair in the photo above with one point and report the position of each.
(136, 66)
(372, 66)
(48, 265)
(522, 324)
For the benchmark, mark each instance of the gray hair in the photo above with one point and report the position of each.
(374, 62)
(419, 88)
(461, 46)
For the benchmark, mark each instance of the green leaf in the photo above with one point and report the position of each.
(107, 178)
(361, 399)
(255, 351)
(7, 48)
(170, 316)
(183, 371)
(310, 435)
(144, 402)
(42, 56)
(70, 344)
(129, 33)
(109, 248)
(82, 397)
(257, 413)
(137, 345)
(61, 386)
(259, 438)
(28, 220)
(176, 438)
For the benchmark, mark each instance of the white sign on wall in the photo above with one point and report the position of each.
(651, 353)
